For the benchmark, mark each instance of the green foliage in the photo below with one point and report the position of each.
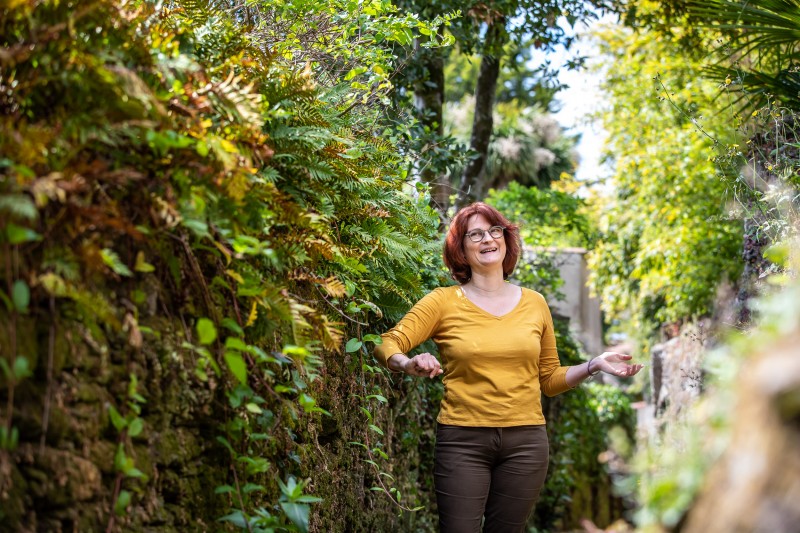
(669, 470)
(582, 422)
(159, 155)
(548, 219)
(757, 57)
(527, 147)
(350, 43)
(669, 237)
(518, 82)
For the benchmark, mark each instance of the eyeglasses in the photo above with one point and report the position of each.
(476, 235)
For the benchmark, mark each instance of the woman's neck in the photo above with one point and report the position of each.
(484, 284)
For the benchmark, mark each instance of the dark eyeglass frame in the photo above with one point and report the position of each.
(498, 230)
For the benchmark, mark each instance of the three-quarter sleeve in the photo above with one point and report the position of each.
(552, 376)
(417, 326)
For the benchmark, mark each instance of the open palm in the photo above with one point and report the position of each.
(616, 364)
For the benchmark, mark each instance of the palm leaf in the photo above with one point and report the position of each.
(764, 38)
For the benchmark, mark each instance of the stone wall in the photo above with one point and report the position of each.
(582, 309)
(62, 475)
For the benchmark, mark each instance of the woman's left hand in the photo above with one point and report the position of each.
(614, 363)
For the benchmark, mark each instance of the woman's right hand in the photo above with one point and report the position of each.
(420, 365)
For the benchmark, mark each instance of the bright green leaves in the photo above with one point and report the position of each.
(129, 426)
(236, 365)
(122, 503)
(669, 239)
(309, 404)
(206, 332)
(353, 345)
(232, 205)
(112, 261)
(117, 421)
(124, 464)
(142, 265)
(362, 37)
(132, 423)
(294, 503)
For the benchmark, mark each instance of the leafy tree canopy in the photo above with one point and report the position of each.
(668, 239)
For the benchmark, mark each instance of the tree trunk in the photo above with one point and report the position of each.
(472, 186)
(429, 101)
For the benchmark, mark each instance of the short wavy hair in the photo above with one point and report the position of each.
(454, 257)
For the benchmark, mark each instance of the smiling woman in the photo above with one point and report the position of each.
(498, 350)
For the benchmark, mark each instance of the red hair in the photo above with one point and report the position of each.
(454, 257)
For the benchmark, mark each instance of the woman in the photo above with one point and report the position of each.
(497, 344)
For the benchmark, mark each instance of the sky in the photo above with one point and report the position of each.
(580, 100)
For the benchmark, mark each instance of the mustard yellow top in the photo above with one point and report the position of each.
(495, 367)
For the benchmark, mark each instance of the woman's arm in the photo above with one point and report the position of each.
(413, 329)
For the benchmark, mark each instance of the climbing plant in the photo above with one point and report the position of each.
(670, 236)
(192, 204)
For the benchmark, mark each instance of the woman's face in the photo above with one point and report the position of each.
(488, 253)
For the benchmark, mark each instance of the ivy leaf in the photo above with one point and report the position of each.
(142, 265)
(224, 489)
(120, 459)
(206, 331)
(21, 296)
(135, 428)
(375, 339)
(308, 499)
(378, 397)
(112, 261)
(21, 367)
(122, 503)
(252, 487)
(353, 345)
(237, 366)
(236, 518)
(298, 514)
(117, 420)
(19, 206)
(134, 472)
(253, 408)
(232, 325)
(235, 343)
(20, 234)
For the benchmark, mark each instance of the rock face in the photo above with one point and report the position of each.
(676, 371)
(62, 475)
(755, 485)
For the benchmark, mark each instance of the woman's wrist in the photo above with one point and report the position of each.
(397, 362)
(589, 368)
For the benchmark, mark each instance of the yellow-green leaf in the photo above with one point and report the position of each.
(237, 366)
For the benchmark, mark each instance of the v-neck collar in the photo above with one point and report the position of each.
(487, 313)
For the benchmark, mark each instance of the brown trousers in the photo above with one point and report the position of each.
(496, 473)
